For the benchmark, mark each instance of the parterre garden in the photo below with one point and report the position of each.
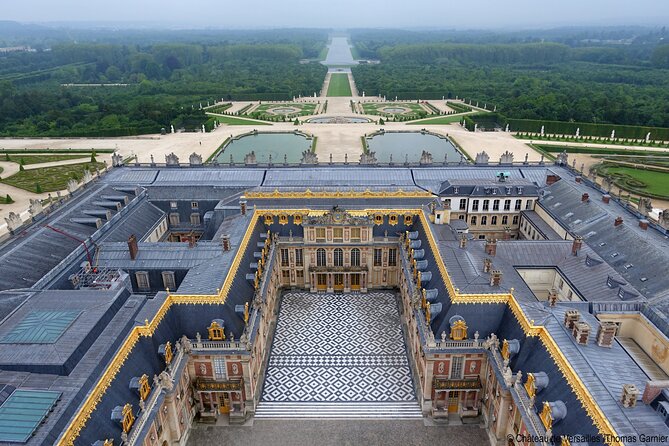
(279, 112)
(49, 179)
(398, 111)
(646, 182)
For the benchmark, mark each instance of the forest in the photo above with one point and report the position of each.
(604, 77)
(157, 85)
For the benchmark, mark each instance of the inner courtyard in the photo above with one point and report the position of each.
(338, 349)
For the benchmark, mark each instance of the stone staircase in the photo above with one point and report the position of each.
(348, 410)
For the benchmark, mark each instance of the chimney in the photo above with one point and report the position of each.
(552, 297)
(570, 318)
(191, 242)
(606, 198)
(487, 265)
(578, 179)
(653, 389)
(576, 246)
(618, 222)
(463, 241)
(585, 197)
(491, 247)
(225, 242)
(551, 179)
(132, 247)
(495, 277)
(581, 332)
(606, 333)
(629, 396)
(507, 233)
(643, 224)
(242, 204)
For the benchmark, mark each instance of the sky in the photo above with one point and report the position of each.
(450, 14)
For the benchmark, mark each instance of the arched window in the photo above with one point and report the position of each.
(338, 257)
(355, 257)
(320, 257)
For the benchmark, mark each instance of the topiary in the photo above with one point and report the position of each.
(38, 188)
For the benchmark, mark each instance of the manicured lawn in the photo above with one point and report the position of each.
(233, 120)
(37, 159)
(598, 150)
(50, 179)
(401, 110)
(277, 111)
(656, 183)
(437, 121)
(339, 85)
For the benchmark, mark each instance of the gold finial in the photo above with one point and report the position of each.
(506, 354)
(168, 353)
(246, 313)
(167, 289)
(146, 322)
(546, 416)
(428, 314)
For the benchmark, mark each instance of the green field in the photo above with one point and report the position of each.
(231, 120)
(50, 179)
(639, 181)
(438, 121)
(410, 110)
(279, 112)
(38, 159)
(339, 85)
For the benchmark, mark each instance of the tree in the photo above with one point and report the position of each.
(93, 160)
(38, 188)
(7, 157)
(21, 163)
(8, 199)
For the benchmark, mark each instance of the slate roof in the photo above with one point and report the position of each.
(540, 225)
(36, 250)
(645, 250)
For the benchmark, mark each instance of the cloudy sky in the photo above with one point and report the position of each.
(344, 13)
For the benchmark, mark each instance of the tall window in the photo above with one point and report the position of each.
(528, 205)
(338, 257)
(486, 205)
(515, 219)
(299, 260)
(378, 253)
(456, 367)
(392, 257)
(174, 219)
(355, 257)
(320, 257)
(473, 223)
(475, 205)
(195, 218)
(484, 220)
(338, 234)
(355, 234)
(463, 204)
(505, 219)
(495, 205)
(507, 205)
(284, 257)
(320, 234)
(219, 368)
(493, 220)
(518, 202)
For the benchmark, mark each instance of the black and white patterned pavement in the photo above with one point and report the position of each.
(338, 348)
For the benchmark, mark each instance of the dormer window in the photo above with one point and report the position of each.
(144, 387)
(456, 190)
(520, 190)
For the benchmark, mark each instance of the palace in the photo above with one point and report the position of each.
(519, 299)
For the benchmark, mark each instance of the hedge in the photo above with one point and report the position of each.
(588, 129)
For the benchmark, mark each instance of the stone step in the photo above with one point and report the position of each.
(380, 410)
